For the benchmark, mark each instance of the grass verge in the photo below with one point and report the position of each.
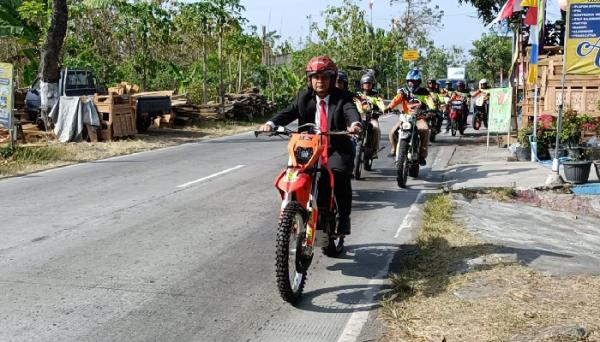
(440, 294)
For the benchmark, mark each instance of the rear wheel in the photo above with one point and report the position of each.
(477, 121)
(368, 164)
(402, 163)
(291, 263)
(335, 246)
(413, 170)
(143, 123)
(432, 135)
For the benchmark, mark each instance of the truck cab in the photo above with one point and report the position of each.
(72, 82)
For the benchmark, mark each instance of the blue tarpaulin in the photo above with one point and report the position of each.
(586, 189)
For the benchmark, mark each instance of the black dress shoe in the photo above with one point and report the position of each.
(344, 226)
(422, 161)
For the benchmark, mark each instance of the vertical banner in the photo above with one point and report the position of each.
(582, 52)
(6, 95)
(500, 110)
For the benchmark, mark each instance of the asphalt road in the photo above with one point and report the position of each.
(178, 245)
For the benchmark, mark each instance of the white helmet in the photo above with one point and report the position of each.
(482, 82)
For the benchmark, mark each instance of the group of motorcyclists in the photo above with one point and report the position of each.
(328, 98)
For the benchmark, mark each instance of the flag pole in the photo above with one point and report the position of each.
(555, 177)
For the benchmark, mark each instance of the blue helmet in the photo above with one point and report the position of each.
(414, 75)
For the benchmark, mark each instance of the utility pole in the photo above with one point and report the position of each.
(309, 28)
(373, 35)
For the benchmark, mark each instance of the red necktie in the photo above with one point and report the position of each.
(323, 128)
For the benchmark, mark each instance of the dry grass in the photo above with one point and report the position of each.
(47, 153)
(437, 298)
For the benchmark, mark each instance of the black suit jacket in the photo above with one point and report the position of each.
(341, 114)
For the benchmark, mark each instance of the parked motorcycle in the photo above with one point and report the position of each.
(364, 154)
(407, 151)
(303, 225)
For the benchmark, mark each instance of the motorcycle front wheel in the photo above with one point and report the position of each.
(291, 264)
(402, 163)
(453, 127)
(358, 158)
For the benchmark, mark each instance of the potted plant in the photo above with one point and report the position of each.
(546, 136)
(577, 168)
(523, 149)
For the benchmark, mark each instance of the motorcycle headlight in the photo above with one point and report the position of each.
(406, 126)
(303, 154)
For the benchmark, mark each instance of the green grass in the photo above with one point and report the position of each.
(21, 158)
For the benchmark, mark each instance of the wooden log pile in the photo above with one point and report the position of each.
(245, 105)
(186, 112)
(249, 104)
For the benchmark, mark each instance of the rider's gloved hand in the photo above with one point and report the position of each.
(355, 129)
(268, 127)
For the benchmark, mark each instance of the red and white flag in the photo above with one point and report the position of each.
(508, 9)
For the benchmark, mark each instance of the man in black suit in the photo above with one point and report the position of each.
(331, 109)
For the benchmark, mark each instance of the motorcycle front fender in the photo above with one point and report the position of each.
(405, 135)
(293, 182)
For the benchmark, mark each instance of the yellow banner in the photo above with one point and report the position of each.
(582, 51)
(6, 94)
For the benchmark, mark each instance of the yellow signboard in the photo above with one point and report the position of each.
(410, 55)
(6, 95)
(582, 52)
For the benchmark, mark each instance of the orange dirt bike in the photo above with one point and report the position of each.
(303, 225)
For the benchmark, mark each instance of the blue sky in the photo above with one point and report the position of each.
(461, 24)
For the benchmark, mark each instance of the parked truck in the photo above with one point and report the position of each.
(72, 82)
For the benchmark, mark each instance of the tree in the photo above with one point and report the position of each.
(437, 61)
(21, 35)
(487, 9)
(491, 56)
(49, 67)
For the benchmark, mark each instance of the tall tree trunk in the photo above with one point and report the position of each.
(229, 76)
(239, 87)
(221, 85)
(204, 70)
(49, 68)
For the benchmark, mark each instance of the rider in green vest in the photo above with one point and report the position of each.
(366, 98)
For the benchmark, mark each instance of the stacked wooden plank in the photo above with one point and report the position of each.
(124, 88)
(116, 117)
(186, 112)
(582, 93)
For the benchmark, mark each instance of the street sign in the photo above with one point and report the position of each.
(6, 95)
(410, 55)
(500, 110)
(457, 73)
(582, 55)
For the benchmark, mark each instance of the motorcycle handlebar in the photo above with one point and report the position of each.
(280, 130)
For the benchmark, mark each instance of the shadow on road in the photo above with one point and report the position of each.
(430, 264)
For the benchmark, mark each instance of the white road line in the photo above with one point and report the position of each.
(359, 318)
(210, 177)
(411, 215)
